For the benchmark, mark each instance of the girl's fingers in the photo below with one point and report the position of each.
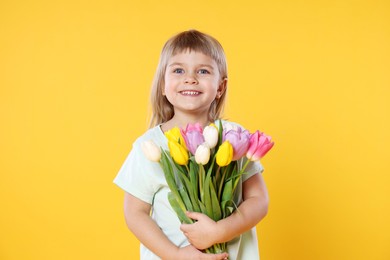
(194, 215)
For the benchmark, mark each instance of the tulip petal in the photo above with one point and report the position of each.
(178, 152)
(224, 154)
(259, 145)
(151, 151)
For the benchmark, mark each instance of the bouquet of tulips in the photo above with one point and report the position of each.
(202, 169)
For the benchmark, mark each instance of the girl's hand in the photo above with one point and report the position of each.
(191, 253)
(201, 234)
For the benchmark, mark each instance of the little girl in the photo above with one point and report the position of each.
(189, 87)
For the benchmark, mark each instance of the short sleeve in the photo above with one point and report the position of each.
(251, 169)
(137, 175)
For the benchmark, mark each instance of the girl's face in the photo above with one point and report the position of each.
(192, 82)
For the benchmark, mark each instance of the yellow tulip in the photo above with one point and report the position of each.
(178, 152)
(175, 135)
(225, 154)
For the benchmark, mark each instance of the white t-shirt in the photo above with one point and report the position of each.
(145, 180)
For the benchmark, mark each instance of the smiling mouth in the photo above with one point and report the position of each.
(190, 93)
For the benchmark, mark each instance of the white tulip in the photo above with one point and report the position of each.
(151, 151)
(210, 134)
(202, 154)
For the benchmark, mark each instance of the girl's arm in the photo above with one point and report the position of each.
(146, 230)
(206, 232)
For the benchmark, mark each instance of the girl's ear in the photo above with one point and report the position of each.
(221, 88)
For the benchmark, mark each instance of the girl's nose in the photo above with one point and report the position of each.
(190, 79)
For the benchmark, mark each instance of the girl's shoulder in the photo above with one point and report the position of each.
(154, 134)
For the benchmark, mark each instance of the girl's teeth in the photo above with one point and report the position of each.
(190, 92)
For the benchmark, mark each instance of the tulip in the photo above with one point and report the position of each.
(228, 126)
(151, 151)
(239, 139)
(193, 137)
(225, 154)
(202, 154)
(259, 145)
(210, 134)
(178, 152)
(175, 135)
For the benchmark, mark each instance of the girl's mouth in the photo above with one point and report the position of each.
(190, 92)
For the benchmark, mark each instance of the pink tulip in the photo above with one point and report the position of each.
(259, 145)
(193, 136)
(239, 139)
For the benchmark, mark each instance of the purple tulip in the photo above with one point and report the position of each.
(193, 136)
(239, 139)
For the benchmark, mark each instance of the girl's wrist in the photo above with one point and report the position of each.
(186, 252)
(220, 233)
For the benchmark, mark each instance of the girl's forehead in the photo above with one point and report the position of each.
(192, 56)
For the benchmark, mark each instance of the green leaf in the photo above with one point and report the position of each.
(186, 199)
(201, 183)
(202, 207)
(215, 204)
(189, 194)
(179, 211)
(227, 196)
(169, 177)
(207, 197)
(210, 170)
(229, 208)
(227, 191)
(194, 178)
(236, 182)
(229, 211)
(168, 171)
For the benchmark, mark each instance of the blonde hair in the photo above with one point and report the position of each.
(191, 40)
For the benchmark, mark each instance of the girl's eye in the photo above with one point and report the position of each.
(179, 71)
(203, 71)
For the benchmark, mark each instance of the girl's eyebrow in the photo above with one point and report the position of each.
(175, 64)
(206, 65)
(199, 65)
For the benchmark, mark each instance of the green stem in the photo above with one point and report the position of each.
(241, 172)
(245, 165)
(217, 174)
(201, 178)
(221, 183)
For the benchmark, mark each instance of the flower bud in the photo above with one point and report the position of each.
(202, 154)
(178, 152)
(228, 126)
(239, 139)
(174, 134)
(210, 134)
(259, 145)
(151, 151)
(193, 137)
(225, 154)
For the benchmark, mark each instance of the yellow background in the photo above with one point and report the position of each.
(74, 86)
